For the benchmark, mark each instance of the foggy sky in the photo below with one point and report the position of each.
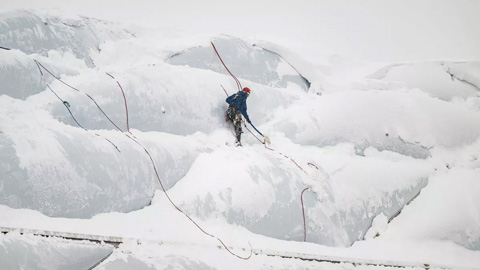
(372, 30)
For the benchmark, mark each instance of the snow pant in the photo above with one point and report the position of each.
(236, 117)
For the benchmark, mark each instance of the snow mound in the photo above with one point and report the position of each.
(244, 61)
(19, 75)
(334, 217)
(411, 122)
(437, 79)
(63, 43)
(448, 192)
(31, 33)
(91, 175)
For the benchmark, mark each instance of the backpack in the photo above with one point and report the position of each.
(230, 99)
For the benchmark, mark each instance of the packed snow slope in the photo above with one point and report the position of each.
(96, 116)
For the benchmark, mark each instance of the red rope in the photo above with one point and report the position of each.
(154, 168)
(271, 149)
(181, 211)
(301, 196)
(297, 165)
(224, 90)
(303, 212)
(239, 85)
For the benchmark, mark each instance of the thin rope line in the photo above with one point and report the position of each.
(239, 85)
(224, 90)
(98, 106)
(155, 169)
(303, 212)
(124, 99)
(65, 103)
(180, 210)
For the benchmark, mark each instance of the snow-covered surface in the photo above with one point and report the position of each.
(389, 152)
(30, 252)
(441, 80)
(252, 64)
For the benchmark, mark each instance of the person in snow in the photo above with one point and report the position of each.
(238, 107)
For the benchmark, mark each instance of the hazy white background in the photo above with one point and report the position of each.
(418, 103)
(373, 30)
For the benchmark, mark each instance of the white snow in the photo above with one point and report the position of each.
(28, 252)
(379, 225)
(389, 152)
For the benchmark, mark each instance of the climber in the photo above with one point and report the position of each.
(238, 106)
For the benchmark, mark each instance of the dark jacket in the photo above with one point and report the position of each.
(239, 102)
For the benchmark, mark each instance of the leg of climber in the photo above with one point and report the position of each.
(237, 123)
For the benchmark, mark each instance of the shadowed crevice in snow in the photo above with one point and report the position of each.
(331, 223)
(411, 200)
(307, 82)
(466, 72)
(464, 81)
(397, 145)
(393, 212)
(100, 261)
(394, 205)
